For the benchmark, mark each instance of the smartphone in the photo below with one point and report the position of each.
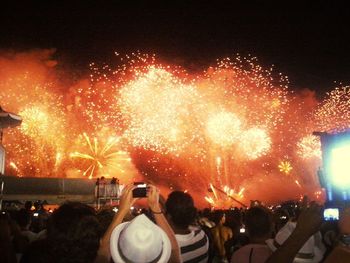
(331, 214)
(140, 190)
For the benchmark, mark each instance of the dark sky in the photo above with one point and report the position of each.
(308, 42)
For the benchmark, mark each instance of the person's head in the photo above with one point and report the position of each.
(74, 233)
(218, 217)
(258, 222)
(205, 212)
(105, 217)
(37, 205)
(281, 217)
(28, 205)
(180, 209)
(139, 240)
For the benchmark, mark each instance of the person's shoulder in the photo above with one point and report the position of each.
(239, 253)
(261, 250)
(196, 233)
(227, 229)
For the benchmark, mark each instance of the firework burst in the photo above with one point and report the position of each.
(227, 125)
(309, 147)
(225, 198)
(333, 114)
(285, 167)
(224, 128)
(101, 159)
(158, 108)
(255, 142)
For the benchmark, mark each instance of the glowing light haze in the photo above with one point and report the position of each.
(143, 118)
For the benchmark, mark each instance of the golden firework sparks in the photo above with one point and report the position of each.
(333, 113)
(285, 167)
(255, 142)
(309, 147)
(101, 158)
(235, 109)
(157, 107)
(224, 128)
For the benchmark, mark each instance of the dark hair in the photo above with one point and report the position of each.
(181, 208)
(258, 221)
(38, 252)
(217, 216)
(74, 233)
(28, 205)
(23, 217)
(105, 218)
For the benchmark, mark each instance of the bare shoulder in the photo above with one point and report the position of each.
(227, 231)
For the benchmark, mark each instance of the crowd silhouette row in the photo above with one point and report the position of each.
(172, 230)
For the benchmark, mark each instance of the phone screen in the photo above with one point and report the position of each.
(331, 214)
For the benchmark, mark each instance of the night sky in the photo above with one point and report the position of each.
(307, 42)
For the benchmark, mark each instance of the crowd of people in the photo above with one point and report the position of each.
(172, 230)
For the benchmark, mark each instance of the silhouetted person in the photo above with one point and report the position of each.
(113, 186)
(181, 213)
(73, 236)
(221, 235)
(97, 188)
(259, 225)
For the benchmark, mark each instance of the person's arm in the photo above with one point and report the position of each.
(126, 201)
(309, 223)
(153, 202)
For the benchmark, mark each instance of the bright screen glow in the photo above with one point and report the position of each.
(340, 166)
(331, 214)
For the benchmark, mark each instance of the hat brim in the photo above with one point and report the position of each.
(166, 251)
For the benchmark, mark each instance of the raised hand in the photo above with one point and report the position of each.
(126, 198)
(153, 198)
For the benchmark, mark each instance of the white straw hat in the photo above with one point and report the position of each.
(139, 241)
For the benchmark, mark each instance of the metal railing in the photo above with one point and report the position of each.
(107, 192)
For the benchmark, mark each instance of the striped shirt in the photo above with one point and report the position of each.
(194, 246)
